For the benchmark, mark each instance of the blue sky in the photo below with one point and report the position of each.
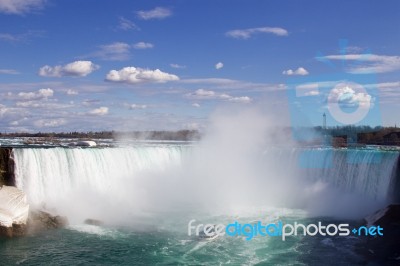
(166, 65)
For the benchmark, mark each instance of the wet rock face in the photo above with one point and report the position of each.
(17, 220)
(42, 220)
(383, 250)
(6, 167)
(14, 230)
(37, 222)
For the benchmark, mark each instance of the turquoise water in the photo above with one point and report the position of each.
(168, 244)
(139, 192)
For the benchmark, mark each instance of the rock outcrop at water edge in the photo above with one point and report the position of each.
(14, 211)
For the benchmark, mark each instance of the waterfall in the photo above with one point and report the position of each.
(49, 174)
(363, 171)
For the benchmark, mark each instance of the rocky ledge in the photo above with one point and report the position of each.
(40, 220)
(17, 220)
(14, 211)
(383, 250)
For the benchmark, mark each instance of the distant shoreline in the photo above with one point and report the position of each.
(339, 136)
(180, 135)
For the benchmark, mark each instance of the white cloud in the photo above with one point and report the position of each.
(37, 95)
(197, 105)
(37, 99)
(177, 66)
(99, 111)
(9, 71)
(74, 69)
(117, 51)
(202, 94)
(137, 106)
(20, 6)
(219, 65)
(143, 45)
(308, 89)
(133, 75)
(242, 99)
(156, 13)
(247, 33)
(300, 71)
(72, 92)
(49, 122)
(348, 97)
(42, 104)
(368, 63)
(126, 24)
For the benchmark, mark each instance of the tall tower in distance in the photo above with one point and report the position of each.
(324, 121)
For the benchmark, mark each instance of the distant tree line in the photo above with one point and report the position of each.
(364, 134)
(340, 134)
(184, 135)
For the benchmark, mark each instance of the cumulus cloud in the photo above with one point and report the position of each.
(300, 72)
(126, 24)
(247, 33)
(74, 69)
(37, 99)
(177, 66)
(9, 71)
(143, 45)
(99, 111)
(197, 105)
(219, 65)
(20, 7)
(133, 75)
(368, 63)
(156, 13)
(36, 95)
(202, 94)
(348, 97)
